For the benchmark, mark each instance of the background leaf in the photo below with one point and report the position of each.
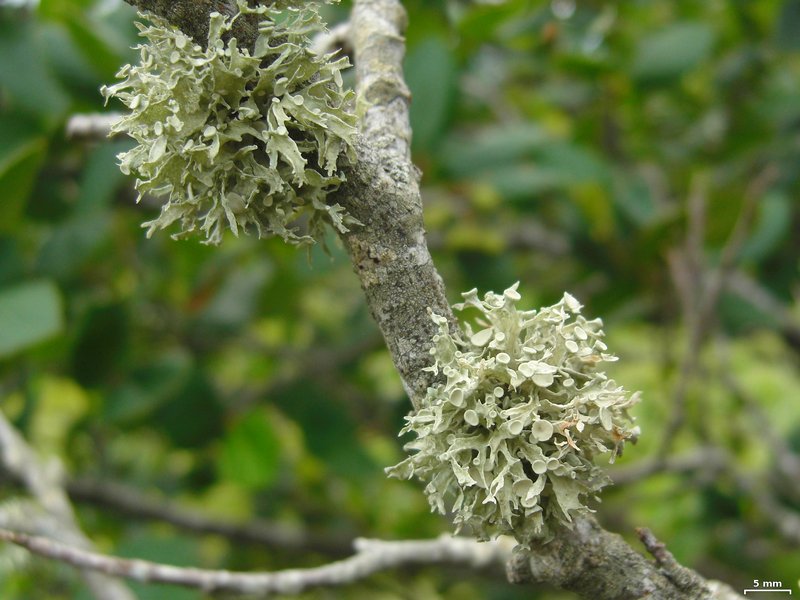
(250, 454)
(29, 313)
(673, 51)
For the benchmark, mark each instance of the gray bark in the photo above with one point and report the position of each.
(597, 564)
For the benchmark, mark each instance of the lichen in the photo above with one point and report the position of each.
(507, 440)
(250, 141)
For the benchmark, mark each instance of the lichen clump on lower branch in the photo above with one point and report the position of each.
(507, 441)
(239, 139)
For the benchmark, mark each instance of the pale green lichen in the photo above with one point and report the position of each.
(238, 139)
(507, 441)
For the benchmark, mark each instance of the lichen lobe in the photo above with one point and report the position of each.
(239, 139)
(507, 440)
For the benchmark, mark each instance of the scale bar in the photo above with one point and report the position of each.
(763, 590)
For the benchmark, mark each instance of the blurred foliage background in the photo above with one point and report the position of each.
(642, 155)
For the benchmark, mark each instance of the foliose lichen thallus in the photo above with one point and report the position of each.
(234, 138)
(507, 440)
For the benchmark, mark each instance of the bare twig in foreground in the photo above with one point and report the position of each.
(43, 481)
(371, 556)
(682, 577)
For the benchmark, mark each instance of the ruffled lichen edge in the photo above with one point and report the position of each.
(507, 440)
(234, 139)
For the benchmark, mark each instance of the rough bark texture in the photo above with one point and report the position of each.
(391, 258)
(389, 252)
(192, 17)
(600, 565)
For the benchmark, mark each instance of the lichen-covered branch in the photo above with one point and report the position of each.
(600, 565)
(43, 482)
(392, 261)
(389, 252)
(371, 557)
(383, 97)
(391, 257)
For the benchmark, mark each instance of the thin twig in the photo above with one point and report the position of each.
(700, 302)
(371, 557)
(91, 126)
(44, 482)
(683, 578)
(709, 461)
(132, 503)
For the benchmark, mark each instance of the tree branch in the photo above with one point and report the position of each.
(43, 481)
(389, 252)
(600, 565)
(91, 126)
(132, 503)
(707, 461)
(371, 557)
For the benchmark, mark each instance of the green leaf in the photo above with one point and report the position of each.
(332, 433)
(99, 182)
(577, 164)
(29, 313)
(22, 151)
(95, 40)
(672, 52)
(481, 23)
(250, 454)
(60, 404)
(525, 182)
(73, 243)
(773, 226)
(633, 198)
(101, 344)
(492, 147)
(149, 387)
(12, 261)
(237, 300)
(787, 25)
(431, 75)
(199, 398)
(740, 314)
(25, 76)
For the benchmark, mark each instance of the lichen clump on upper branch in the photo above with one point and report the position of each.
(507, 441)
(239, 139)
